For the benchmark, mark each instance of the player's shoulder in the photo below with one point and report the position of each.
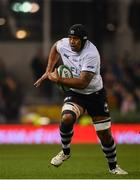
(63, 41)
(62, 44)
(91, 49)
(91, 46)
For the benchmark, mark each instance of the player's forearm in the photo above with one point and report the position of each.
(78, 83)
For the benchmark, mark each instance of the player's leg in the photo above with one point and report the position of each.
(102, 126)
(103, 129)
(98, 109)
(107, 142)
(70, 113)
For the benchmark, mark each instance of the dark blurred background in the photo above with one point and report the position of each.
(28, 28)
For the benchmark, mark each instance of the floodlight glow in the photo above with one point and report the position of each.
(2, 21)
(35, 7)
(16, 7)
(26, 7)
(21, 34)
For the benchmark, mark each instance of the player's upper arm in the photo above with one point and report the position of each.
(59, 45)
(53, 58)
(54, 53)
(86, 77)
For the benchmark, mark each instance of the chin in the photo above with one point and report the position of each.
(74, 49)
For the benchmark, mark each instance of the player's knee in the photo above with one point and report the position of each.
(67, 118)
(70, 113)
(71, 108)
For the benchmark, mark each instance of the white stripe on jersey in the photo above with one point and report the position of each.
(86, 60)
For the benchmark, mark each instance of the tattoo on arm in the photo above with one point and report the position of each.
(87, 76)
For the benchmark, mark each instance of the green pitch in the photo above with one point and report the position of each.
(86, 162)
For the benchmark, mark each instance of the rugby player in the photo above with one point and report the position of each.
(86, 93)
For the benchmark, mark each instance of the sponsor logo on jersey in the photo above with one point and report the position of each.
(75, 60)
(66, 56)
(90, 67)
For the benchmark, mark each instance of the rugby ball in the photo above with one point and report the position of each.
(64, 72)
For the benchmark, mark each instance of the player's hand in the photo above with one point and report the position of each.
(54, 76)
(39, 81)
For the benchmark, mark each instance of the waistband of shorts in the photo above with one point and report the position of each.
(100, 90)
(94, 93)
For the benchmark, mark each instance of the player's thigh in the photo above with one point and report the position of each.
(97, 106)
(99, 111)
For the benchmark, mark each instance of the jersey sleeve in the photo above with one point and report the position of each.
(59, 45)
(90, 64)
